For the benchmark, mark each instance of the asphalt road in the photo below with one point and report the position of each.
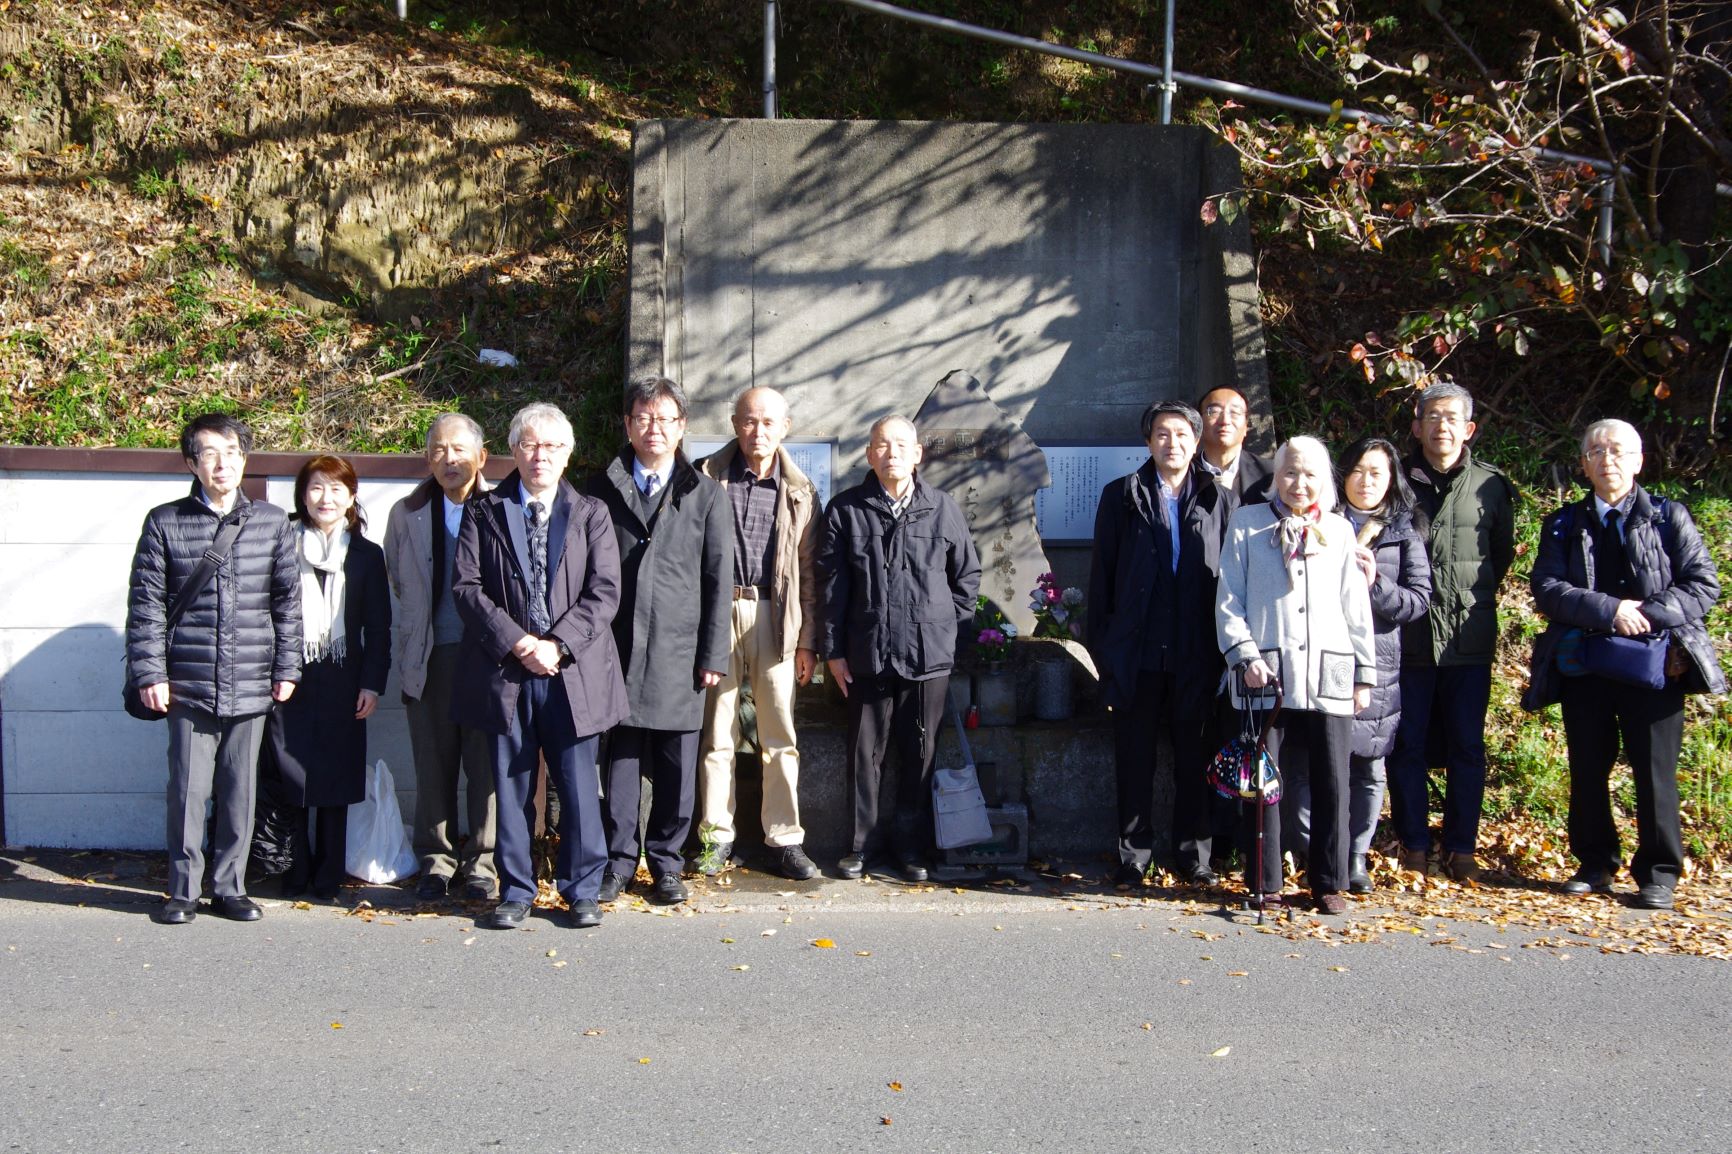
(938, 1021)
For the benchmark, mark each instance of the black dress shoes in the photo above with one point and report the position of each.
(612, 885)
(479, 890)
(174, 913)
(669, 890)
(852, 866)
(913, 871)
(507, 916)
(1589, 881)
(585, 914)
(1358, 874)
(237, 909)
(432, 887)
(1653, 896)
(1130, 874)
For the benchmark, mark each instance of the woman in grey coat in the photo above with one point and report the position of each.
(1390, 550)
(1292, 610)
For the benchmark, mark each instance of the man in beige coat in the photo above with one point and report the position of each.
(774, 632)
(420, 542)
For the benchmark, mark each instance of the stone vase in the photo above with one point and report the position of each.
(995, 694)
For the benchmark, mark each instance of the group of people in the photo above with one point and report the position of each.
(611, 632)
(1360, 596)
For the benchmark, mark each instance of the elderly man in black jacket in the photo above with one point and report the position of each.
(1151, 629)
(536, 580)
(898, 573)
(675, 532)
(1622, 563)
(235, 650)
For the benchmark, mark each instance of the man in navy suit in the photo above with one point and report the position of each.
(536, 580)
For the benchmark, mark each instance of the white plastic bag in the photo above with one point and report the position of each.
(379, 849)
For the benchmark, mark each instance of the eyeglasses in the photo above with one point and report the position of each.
(1613, 453)
(1453, 420)
(642, 421)
(1216, 412)
(535, 448)
(208, 457)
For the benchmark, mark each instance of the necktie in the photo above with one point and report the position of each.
(651, 483)
(539, 622)
(1617, 565)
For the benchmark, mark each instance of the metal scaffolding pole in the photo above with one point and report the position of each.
(770, 59)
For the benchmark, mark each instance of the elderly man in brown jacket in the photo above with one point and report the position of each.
(774, 632)
(420, 545)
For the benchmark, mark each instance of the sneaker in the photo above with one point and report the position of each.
(1462, 867)
(717, 856)
(792, 863)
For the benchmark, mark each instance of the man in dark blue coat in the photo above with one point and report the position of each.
(235, 650)
(536, 579)
(898, 573)
(1151, 629)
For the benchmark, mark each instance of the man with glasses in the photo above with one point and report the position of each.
(420, 548)
(675, 536)
(1446, 655)
(536, 580)
(234, 650)
(1243, 477)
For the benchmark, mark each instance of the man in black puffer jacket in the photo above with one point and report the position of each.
(235, 649)
(1623, 563)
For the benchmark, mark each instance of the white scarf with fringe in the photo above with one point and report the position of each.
(322, 604)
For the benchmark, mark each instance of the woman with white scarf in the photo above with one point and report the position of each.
(1293, 610)
(318, 738)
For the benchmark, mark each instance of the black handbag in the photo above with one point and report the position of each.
(207, 567)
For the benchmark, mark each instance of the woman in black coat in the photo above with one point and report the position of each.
(318, 738)
(1391, 554)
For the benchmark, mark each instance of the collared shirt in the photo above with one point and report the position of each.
(1225, 477)
(754, 502)
(1623, 508)
(1170, 497)
(639, 475)
(234, 502)
(453, 519)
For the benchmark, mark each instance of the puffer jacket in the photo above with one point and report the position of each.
(1402, 594)
(895, 589)
(1673, 574)
(242, 631)
(1471, 547)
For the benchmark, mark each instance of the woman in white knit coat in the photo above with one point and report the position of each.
(1293, 607)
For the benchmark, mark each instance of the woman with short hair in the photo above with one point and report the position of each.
(1292, 610)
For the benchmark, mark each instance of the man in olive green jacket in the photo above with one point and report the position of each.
(1446, 655)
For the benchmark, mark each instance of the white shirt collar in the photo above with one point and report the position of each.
(453, 516)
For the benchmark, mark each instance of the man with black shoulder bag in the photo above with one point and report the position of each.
(213, 638)
(1625, 582)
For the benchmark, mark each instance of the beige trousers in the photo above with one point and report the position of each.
(754, 663)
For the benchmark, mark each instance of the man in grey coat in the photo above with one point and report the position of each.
(420, 548)
(676, 547)
(235, 649)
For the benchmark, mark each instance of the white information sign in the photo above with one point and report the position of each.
(812, 456)
(1064, 513)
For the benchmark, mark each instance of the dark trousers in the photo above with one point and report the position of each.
(886, 711)
(669, 759)
(1316, 747)
(210, 759)
(317, 853)
(1650, 722)
(543, 729)
(1453, 697)
(1135, 728)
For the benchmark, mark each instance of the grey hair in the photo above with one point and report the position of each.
(648, 390)
(1171, 409)
(540, 415)
(1609, 425)
(470, 426)
(881, 423)
(1319, 453)
(1443, 391)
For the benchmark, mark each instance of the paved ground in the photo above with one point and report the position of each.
(1067, 1017)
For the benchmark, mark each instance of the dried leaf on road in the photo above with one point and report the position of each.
(1222, 1052)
